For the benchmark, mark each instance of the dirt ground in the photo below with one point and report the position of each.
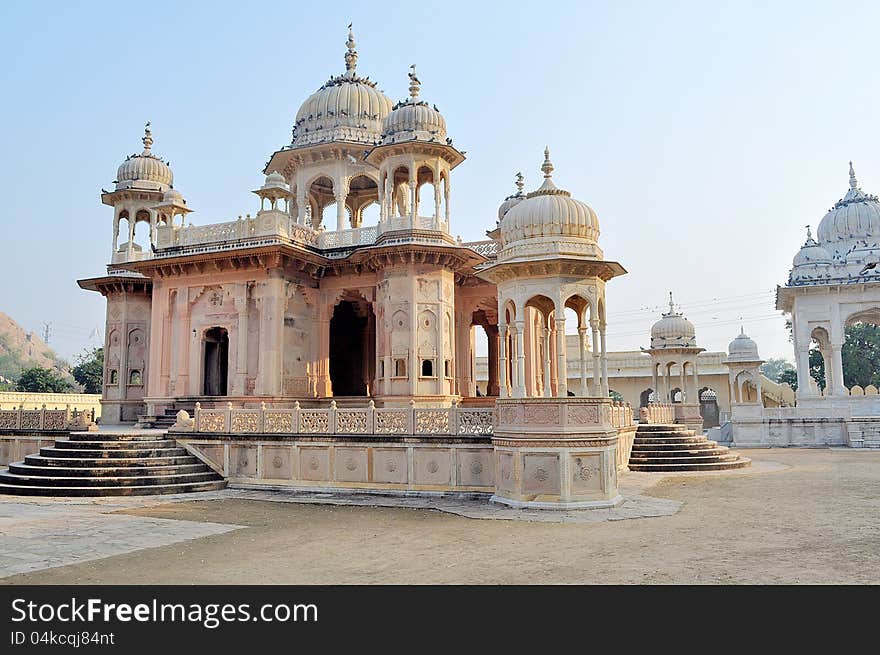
(816, 522)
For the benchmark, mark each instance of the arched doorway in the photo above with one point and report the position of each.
(352, 348)
(709, 407)
(216, 361)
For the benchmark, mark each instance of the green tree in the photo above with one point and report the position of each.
(861, 355)
(789, 376)
(89, 370)
(817, 367)
(775, 366)
(42, 380)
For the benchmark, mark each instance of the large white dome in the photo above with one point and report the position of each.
(144, 170)
(549, 223)
(853, 217)
(346, 108)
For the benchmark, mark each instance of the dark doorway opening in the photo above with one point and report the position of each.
(216, 361)
(352, 348)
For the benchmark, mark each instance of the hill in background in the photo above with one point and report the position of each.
(20, 349)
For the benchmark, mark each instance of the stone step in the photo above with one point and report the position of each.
(661, 427)
(670, 440)
(129, 453)
(189, 487)
(20, 468)
(657, 434)
(699, 452)
(40, 460)
(114, 438)
(688, 461)
(116, 445)
(739, 463)
(699, 445)
(129, 481)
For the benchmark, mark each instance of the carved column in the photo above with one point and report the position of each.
(502, 360)
(520, 361)
(493, 388)
(301, 204)
(605, 387)
(838, 388)
(597, 364)
(548, 392)
(582, 351)
(341, 193)
(324, 387)
(561, 359)
(241, 307)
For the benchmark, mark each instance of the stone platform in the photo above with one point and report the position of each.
(671, 448)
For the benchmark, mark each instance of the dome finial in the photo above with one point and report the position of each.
(147, 139)
(414, 83)
(671, 305)
(809, 235)
(853, 182)
(547, 166)
(519, 183)
(351, 55)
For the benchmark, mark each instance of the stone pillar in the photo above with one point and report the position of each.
(502, 360)
(546, 363)
(597, 365)
(440, 366)
(272, 301)
(655, 383)
(301, 204)
(838, 388)
(582, 351)
(561, 360)
(520, 361)
(322, 363)
(180, 344)
(605, 386)
(803, 372)
(241, 306)
(413, 195)
(493, 387)
(341, 193)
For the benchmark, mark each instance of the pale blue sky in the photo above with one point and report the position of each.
(705, 135)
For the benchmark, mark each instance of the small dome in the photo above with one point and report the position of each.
(673, 330)
(855, 216)
(144, 171)
(346, 108)
(549, 222)
(511, 201)
(414, 119)
(173, 196)
(743, 349)
(275, 180)
(811, 253)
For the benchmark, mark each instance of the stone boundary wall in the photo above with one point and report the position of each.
(15, 446)
(77, 401)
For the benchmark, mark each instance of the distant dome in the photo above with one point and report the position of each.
(144, 171)
(173, 196)
(346, 108)
(743, 349)
(549, 222)
(855, 216)
(511, 201)
(673, 330)
(414, 119)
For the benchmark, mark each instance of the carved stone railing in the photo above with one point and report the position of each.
(46, 419)
(359, 236)
(621, 415)
(397, 223)
(270, 224)
(443, 421)
(657, 414)
(488, 248)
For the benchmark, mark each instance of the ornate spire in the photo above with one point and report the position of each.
(671, 304)
(547, 166)
(853, 182)
(414, 84)
(809, 235)
(147, 139)
(351, 55)
(519, 184)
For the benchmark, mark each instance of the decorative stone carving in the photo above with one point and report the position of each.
(352, 421)
(277, 421)
(583, 414)
(475, 421)
(432, 421)
(391, 421)
(212, 420)
(316, 421)
(245, 422)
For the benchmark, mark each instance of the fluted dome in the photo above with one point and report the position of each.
(743, 349)
(275, 180)
(856, 216)
(549, 223)
(673, 330)
(173, 196)
(144, 170)
(346, 108)
(511, 201)
(811, 253)
(414, 119)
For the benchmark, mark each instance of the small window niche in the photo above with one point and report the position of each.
(135, 379)
(381, 368)
(447, 368)
(400, 368)
(427, 368)
(114, 376)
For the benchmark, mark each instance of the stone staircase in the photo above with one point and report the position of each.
(125, 463)
(670, 448)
